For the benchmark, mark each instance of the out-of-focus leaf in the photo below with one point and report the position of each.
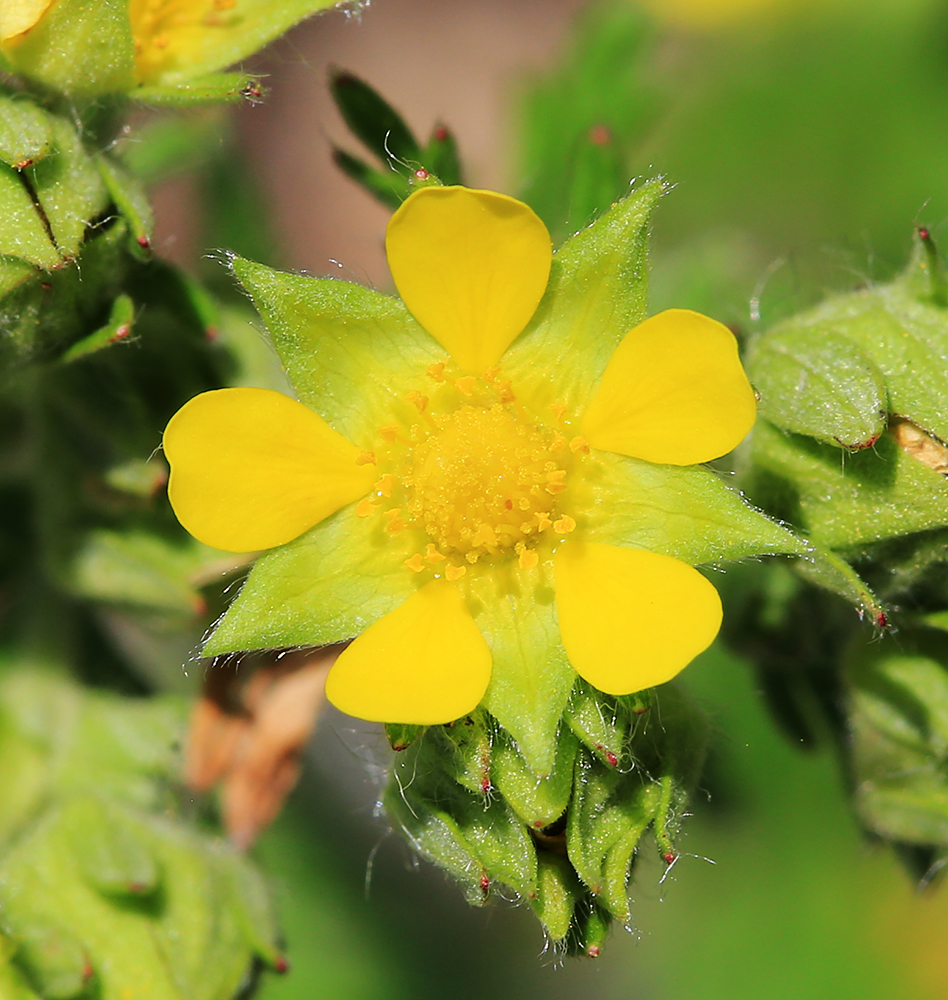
(132, 201)
(389, 187)
(116, 330)
(373, 120)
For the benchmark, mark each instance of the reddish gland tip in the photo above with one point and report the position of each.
(924, 234)
(136, 887)
(882, 620)
(422, 174)
(144, 242)
(669, 857)
(211, 333)
(441, 133)
(485, 883)
(121, 333)
(539, 824)
(281, 965)
(22, 165)
(485, 785)
(593, 951)
(600, 135)
(87, 971)
(401, 746)
(611, 758)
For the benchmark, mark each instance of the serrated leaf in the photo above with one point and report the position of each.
(372, 119)
(847, 500)
(22, 233)
(69, 188)
(25, 131)
(351, 353)
(685, 512)
(596, 294)
(816, 381)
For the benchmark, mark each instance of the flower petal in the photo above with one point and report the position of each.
(17, 16)
(252, 468)
(471, 266)
(424, 663)
(674, 392)
(631, 619)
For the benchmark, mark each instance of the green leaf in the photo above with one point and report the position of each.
(69, 188)
(351, 353)
(13, 273)
(467, 746)
(374, 121)
(79, 48)
(140, 569)
(846, 500)
(115, 331)
(601, 722)
(212, 88)
(25, 131)
(685, 512)
(22, 233)
(326, 586)
(388, 186)
(596, 294)
(131, 200)
(441, 156)
(816, 381)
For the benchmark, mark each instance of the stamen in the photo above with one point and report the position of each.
(437, 371)
(453, 572)
(579, 444)
(432, 555)
(365, 507)
(416, 563)
(465, 385)
(564, 525)
(543, 520)
(557, 409)
(366, 458)
(418, 400)
(528, 559)
(390, 432)
(385, 484)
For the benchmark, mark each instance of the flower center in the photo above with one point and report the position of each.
(484, 481)
(471, 474)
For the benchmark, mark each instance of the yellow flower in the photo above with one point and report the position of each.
(17, 16)
(486, 473)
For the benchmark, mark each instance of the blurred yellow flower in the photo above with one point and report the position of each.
(17, 16)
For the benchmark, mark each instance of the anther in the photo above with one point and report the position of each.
(528, 559)
(416, 564)
(419, 400)
(365, 507)
(437, 371)
(557, 409)
(472, 556)
(579, 443)
(453, 572)
(394, 522)
(543, 520)
(564, 525)
(465, 385)
(389, 432)
(559, 442)
(432, 555)
(366, 458)
(491, 373)
(505, 392)
(385, 484)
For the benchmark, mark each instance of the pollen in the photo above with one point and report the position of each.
(478, 481)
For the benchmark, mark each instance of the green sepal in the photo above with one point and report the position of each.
(212, 88)
(13, 273)
(78, 48)
(401, 735)
(591, 924)
(131, 200)
(351, 353)
(558, 892)
(327, 586)
(826, 569)
(69, 188)
(388, 186)
(52, 959)
(531, 677)
(22, 233)
(372, 119)
(602, 723)
(468, 747)
(477, 842)
(539, 802)
(686, 512)
(595, 296)
(899, 735)
(870, 496)
(115, 331)
(25, 131)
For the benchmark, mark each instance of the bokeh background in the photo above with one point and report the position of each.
(805, 138)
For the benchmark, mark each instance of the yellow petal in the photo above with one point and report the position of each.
(252, 468)
(423, 663)
(674, 392)
(17, 16)
(631, 619)
(471, 266)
